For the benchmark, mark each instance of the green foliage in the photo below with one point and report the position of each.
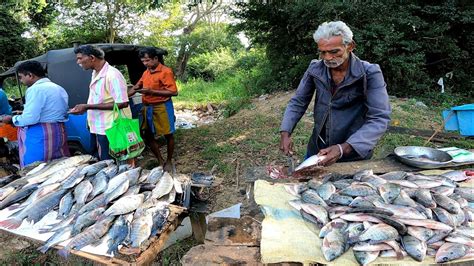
(227, 90)
(16, 17)
(415, 43)
(210, 65)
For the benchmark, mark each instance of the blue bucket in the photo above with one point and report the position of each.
(462, 119)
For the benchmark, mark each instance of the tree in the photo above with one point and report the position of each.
(17, 18)
(414, 42)
(198, 12)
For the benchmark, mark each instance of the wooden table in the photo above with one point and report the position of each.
(146, 257)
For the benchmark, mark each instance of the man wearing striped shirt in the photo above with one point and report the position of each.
(107, 87)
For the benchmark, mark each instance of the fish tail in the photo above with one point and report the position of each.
(12, 223)
(112, 249)
(64, 252)
(43, 249)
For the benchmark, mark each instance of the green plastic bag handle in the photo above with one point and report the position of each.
(117, 111)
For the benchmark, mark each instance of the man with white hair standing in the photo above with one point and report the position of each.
(351, 109)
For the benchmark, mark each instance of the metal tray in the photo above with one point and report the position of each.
(422, 157)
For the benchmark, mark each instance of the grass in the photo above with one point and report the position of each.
(227, 92)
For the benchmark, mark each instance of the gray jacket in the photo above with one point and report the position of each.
(358, 113)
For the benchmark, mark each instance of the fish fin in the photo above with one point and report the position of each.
(12, 223)
(64, 253)
(15, 207)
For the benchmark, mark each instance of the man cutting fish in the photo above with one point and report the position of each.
(351, 110)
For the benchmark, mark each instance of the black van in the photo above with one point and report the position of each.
(62, 69)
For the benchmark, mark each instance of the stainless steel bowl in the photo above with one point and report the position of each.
(422, 157)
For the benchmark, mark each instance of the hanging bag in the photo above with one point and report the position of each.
(124, 137)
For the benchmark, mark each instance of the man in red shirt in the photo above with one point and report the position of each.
(157, 86)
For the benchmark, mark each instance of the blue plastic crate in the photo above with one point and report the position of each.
(462, 119)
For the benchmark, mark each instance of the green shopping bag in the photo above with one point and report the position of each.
(124, 137)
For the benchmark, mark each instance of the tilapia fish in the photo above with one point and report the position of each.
(90, 235)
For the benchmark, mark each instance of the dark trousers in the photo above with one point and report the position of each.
(101, 147)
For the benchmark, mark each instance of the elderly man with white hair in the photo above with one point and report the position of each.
(351, 109)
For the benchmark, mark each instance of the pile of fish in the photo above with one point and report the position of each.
(95, 202)
(391, 215)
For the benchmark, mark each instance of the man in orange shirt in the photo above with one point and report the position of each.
(157, 86)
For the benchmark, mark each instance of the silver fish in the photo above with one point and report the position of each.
(60, 176)
(34, 211)
(426, 223)
(311, 161)
(125, 205)
(154, 175)
(338, 224)
(358, 189)
(450, 251)
(159, 220)
(117, 192)
(422, 233)
(295, 189)
(359, 174)
(318, 212)
(326, 190)
(354, 229)
(403, 183)
(414, 247)
(334, 245)
(444, 190)
(445, 217)
(391, 254)
(366, 257)
(65, 205)
(404, 200)
(396, 175)
(449, 204)
(94, 168)
(117, 234)
(401, 211)
(86, 219)
(82, 191)
(56, 238)
(99, 184)
(466, 192)
(311, 196)
(130, 175)
(364, 246)
(163, 187)
(374, 180)
(459, 238)
(90, 235)
(376, 234)
(456, 175)
(340, 199)
(141, 228)
(389, 192)
(57, 167)
(424, 197)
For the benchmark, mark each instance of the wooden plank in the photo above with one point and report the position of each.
(198, 225)
(423, 133)
(379, 166)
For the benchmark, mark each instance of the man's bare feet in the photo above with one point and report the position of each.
(168, 167)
